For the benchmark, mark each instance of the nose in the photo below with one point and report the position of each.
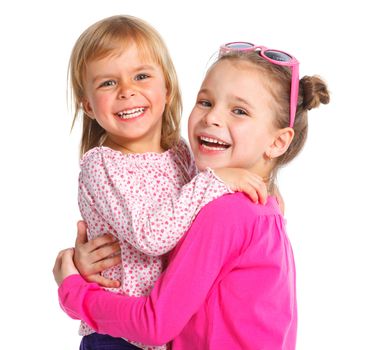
(126, 92)
(212, 118)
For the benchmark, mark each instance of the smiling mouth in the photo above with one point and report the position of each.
(213, 144)
(130, 113)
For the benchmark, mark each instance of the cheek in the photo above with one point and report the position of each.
(157, 93)
(252, 143)
(244, 141)
(191, 127)
(99, 102)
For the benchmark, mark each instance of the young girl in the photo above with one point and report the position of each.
(230, 282)
(134, 165)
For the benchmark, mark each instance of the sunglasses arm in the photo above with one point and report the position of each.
(294, 92)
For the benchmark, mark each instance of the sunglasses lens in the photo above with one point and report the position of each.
(277, 56)
(239, 46)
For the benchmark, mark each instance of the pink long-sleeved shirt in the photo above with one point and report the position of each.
(230, 284)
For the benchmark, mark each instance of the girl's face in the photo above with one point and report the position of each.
(231, 123)
(127, 96)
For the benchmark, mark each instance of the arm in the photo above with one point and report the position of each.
(131, 204)
(211, 242)
(94, 256)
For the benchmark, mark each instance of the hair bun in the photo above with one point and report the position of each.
(314, 91)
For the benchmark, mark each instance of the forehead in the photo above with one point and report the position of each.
(243, 76)
(129, 55)
(141, 51)
(236, 68)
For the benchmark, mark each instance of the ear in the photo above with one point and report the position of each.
(87, 108)
(281, 142)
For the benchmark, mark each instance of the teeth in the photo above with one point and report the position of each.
(210, 140)
(130, 113)
(214, 148)
(213, 144)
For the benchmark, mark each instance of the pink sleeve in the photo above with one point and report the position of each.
(127, 202)
(212, 244)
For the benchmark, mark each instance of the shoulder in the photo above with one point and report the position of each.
(237, 208)
(110, 160)
(102, 163)
(238, 203)
(99, 153)
(235, 218)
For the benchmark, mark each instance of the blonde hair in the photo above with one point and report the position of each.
(110, 36)
(312, 92)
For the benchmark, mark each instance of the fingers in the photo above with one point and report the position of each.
(107, 263)
(94, 256)
(244, 181)
(262, 192)
(105, 252)
(93, 244)
(256, 190)
(61, 256)
(103, 240)
(251, 192)
(64, 265)
(92, 262)
(102, 281)
(81, 233)
(57, 265)
(260, 188)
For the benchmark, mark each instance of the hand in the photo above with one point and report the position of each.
(94, 256)
(64, 265)
(241, 180)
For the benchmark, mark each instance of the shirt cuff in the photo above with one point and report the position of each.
(211, 171)
(71, 293)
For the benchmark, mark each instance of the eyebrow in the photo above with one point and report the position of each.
(203, 91)
(97, 78)
(234, 97)
(242, 100)
(146, 67)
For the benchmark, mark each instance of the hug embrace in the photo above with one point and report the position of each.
(187, 245)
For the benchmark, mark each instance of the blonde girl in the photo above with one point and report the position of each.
(138, 180)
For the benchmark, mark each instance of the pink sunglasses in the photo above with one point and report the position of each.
(276, 57)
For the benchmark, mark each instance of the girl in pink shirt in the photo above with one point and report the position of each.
(230, 281)
(137, 179)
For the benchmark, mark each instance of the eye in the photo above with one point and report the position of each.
(108, 83)
(240, 112)
(204, 103)
(141, 76)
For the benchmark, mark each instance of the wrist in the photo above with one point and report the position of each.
(214, 174)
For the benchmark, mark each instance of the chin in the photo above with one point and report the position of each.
(202, 165)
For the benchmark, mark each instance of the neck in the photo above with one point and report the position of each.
(132, 147)
(264, 170)
(270, 184)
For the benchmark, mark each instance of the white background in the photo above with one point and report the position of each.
(328, 189)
